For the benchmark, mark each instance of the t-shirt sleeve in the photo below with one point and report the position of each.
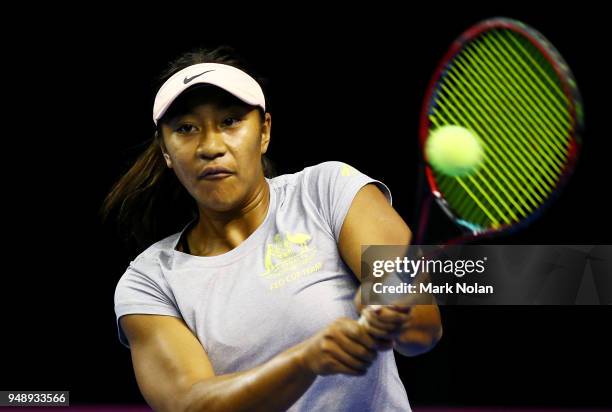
(142, 291)
(332, 186)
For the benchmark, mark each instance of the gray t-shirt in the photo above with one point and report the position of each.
(280, 286)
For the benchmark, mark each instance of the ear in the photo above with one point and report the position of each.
(168, 160)
(162, 146)
(266, 128)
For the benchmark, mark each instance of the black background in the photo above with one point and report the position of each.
(343, 86)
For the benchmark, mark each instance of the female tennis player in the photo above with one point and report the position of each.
(250, 307)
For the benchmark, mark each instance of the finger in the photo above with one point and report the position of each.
(338, 352)
(401, 308)
(374, 331)
(388, 315)
(359, 332)
(383, 339)
(374, 321)
(366, 353)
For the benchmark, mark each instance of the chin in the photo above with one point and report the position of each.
(217, 202)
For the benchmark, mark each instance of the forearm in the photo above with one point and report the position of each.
(273, 386)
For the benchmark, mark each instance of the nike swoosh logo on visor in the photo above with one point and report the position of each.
(188, 79)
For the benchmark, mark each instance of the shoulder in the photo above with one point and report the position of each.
(314, 175)
(158, 253)
(144, 283)
(148, 266)
(329, 169)
(143, 288)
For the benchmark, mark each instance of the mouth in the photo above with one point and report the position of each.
(214, 173)
(215, 176)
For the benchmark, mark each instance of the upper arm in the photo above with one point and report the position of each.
(168, 359)
(371, 220)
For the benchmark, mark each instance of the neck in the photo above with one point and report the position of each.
(219, 232)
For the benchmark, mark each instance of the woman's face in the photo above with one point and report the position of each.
(210, 128)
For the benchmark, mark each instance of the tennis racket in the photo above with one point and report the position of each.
(505, 83)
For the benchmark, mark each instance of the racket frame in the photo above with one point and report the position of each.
(570, 90)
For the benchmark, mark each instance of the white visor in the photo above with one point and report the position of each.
(228, 78)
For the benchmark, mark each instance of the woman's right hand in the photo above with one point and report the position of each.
(342, 347)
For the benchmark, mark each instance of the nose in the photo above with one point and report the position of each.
(210, 145)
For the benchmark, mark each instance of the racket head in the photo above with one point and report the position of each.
(530, 125)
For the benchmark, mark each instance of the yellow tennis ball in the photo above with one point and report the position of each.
(453, 150)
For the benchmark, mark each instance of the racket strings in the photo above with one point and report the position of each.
(525, 52)
(494, 154)
(517, 107)
(501, 149)
(502, 88)
(548, 108)
(508, 128)
(505, 146)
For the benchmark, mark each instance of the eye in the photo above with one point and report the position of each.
(185, 128)
(230, 121)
